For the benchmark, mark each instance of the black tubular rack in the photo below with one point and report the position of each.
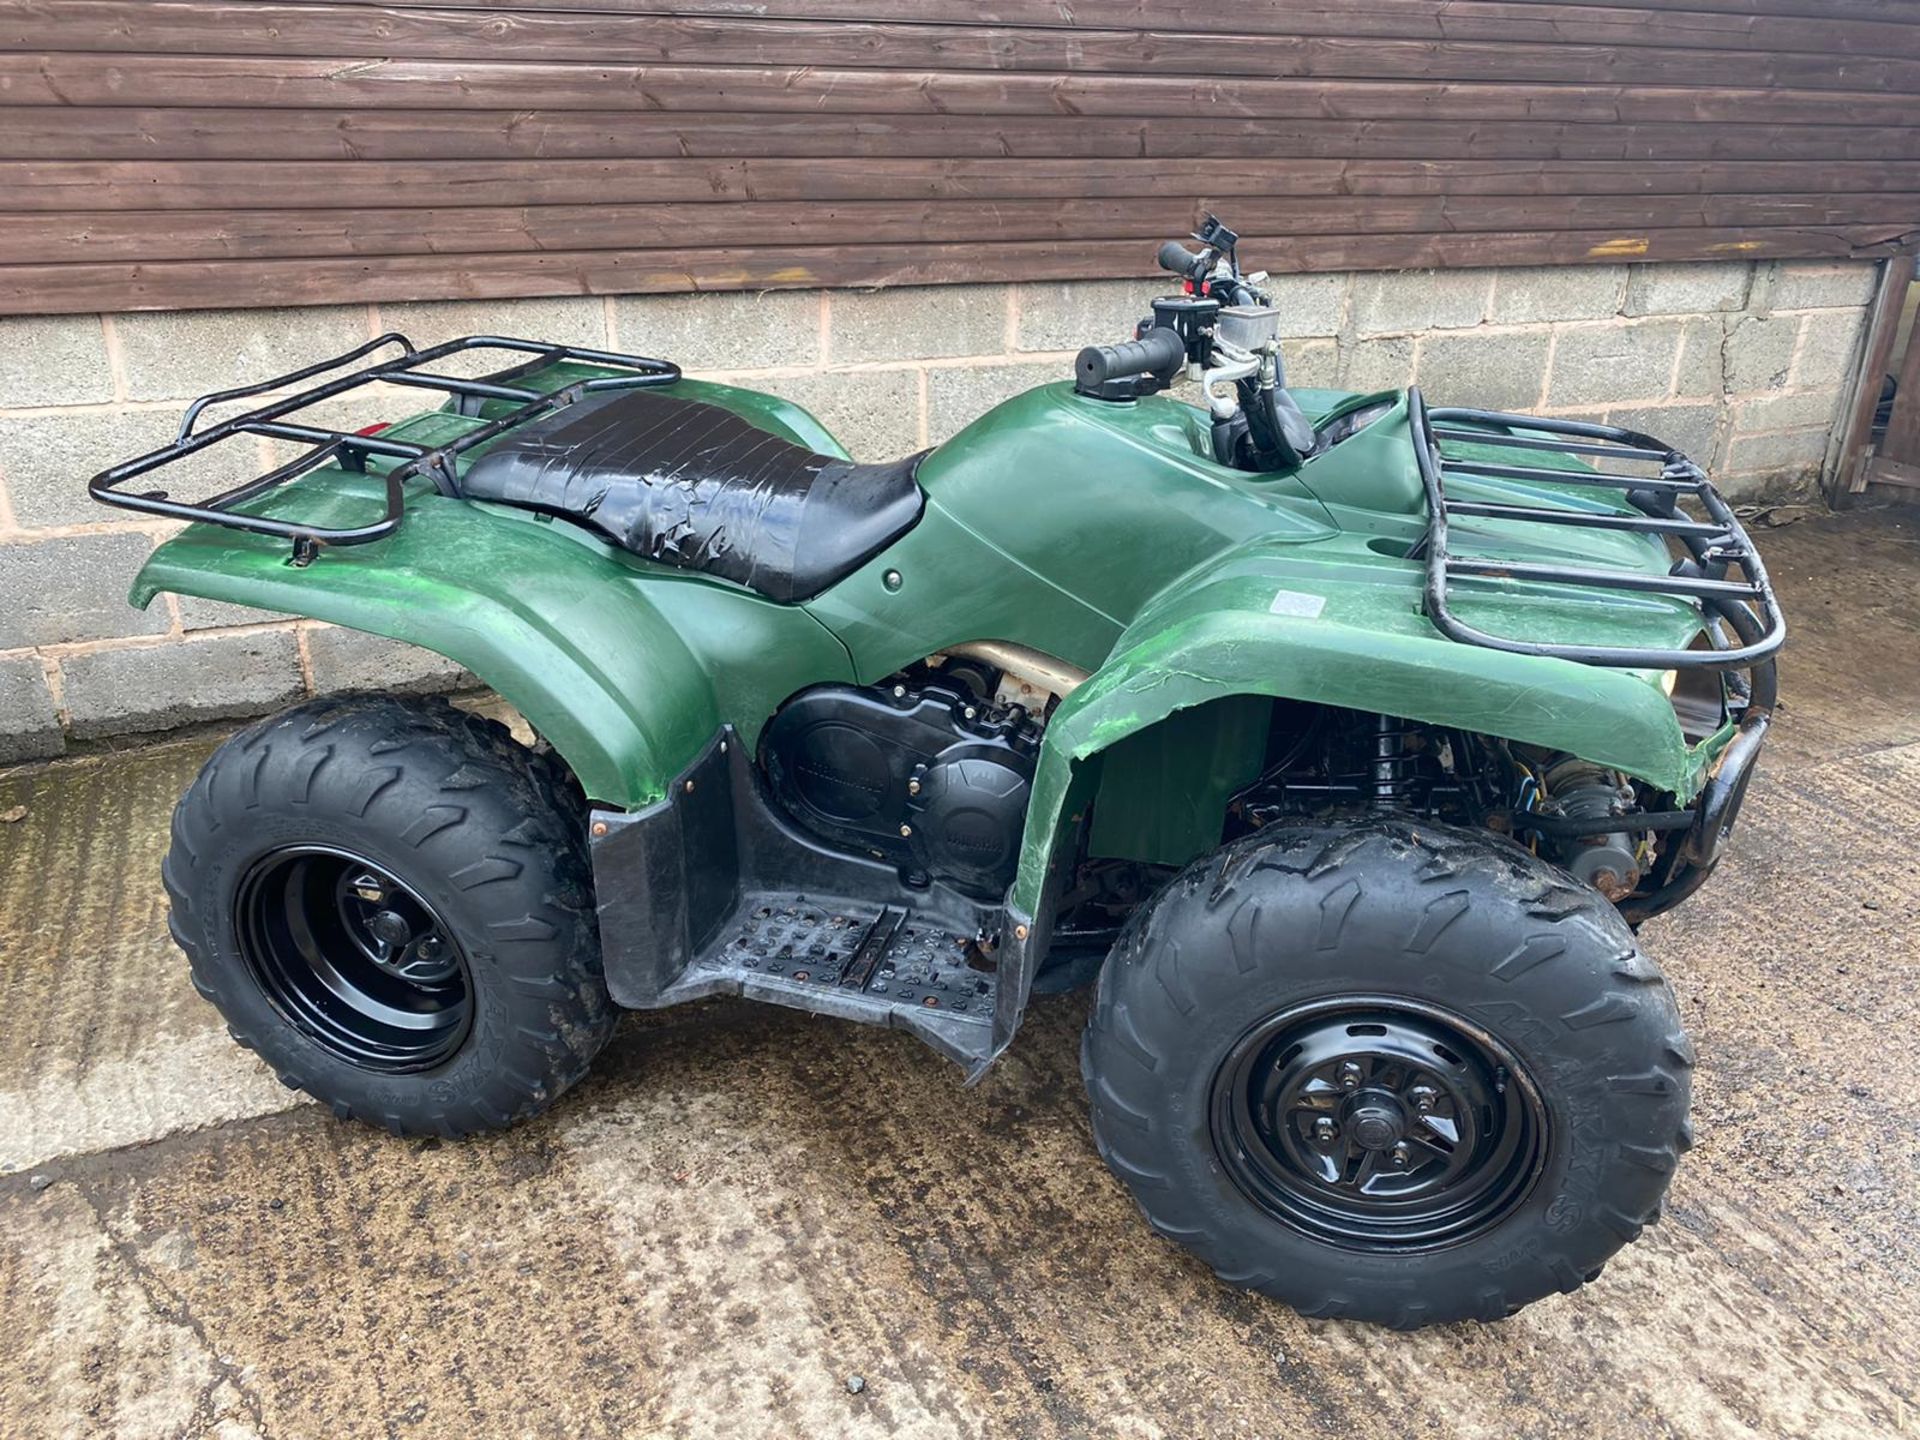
(352, 450)
(1714, 546)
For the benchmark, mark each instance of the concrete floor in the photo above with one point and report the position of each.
(743, 1207)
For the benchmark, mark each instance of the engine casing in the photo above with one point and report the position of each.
(905, 774)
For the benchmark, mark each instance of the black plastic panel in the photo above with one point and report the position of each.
(713, 892)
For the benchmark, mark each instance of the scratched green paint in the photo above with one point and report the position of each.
(1102, 534)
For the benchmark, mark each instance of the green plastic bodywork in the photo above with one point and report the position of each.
(626, 667)
(1099, 533)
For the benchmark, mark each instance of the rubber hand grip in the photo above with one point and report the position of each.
(1176, 257)
(1158, 351)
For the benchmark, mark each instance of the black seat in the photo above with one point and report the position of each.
(693, 485)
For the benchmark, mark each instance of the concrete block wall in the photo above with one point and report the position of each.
(1741, 364)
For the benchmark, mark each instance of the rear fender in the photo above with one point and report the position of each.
(626, 668)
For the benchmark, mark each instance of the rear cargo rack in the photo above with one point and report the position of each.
(1739, 615)
(351, 450)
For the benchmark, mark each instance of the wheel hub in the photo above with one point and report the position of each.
(1378, 1123)
(355, 959)
(390, 927)
(1375, 1120)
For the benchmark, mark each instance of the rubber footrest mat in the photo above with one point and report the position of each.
(889, 959)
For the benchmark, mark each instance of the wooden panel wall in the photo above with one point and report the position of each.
(181, 153)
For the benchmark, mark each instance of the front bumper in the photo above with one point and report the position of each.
(1686, 866)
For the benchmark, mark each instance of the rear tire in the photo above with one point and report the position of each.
(390, 902)
(1284, 1039)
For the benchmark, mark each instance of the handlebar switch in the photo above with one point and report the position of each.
(1192, 318)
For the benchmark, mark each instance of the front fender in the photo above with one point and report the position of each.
(1346, 630)
(626, 668)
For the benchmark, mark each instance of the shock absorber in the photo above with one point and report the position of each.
(1392, 766)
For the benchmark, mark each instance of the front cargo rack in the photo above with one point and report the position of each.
(1739, 615)
(1741, 625)
(352, 449)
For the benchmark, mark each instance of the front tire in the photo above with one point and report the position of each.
(1390, 1071)
(390, 902)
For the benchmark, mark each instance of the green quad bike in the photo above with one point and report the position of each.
(1345, 739)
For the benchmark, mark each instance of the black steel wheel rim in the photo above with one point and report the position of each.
(354, 958)
(1378, 1124)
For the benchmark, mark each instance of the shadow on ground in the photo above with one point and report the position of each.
(743, 1207)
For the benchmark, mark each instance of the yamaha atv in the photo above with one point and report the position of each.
(1345, 740)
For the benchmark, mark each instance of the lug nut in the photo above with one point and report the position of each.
(1349, 1075)
(1324, 1129)
(1400, 1157)
(1424, 1098)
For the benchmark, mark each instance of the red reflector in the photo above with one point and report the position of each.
(373, 429)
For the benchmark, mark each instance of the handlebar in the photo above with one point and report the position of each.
(1159, 352)
(1181, 261)
(1194, 267)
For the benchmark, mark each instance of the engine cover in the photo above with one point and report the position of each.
(903, 773)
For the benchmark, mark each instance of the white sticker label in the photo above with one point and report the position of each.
(1297, 603)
